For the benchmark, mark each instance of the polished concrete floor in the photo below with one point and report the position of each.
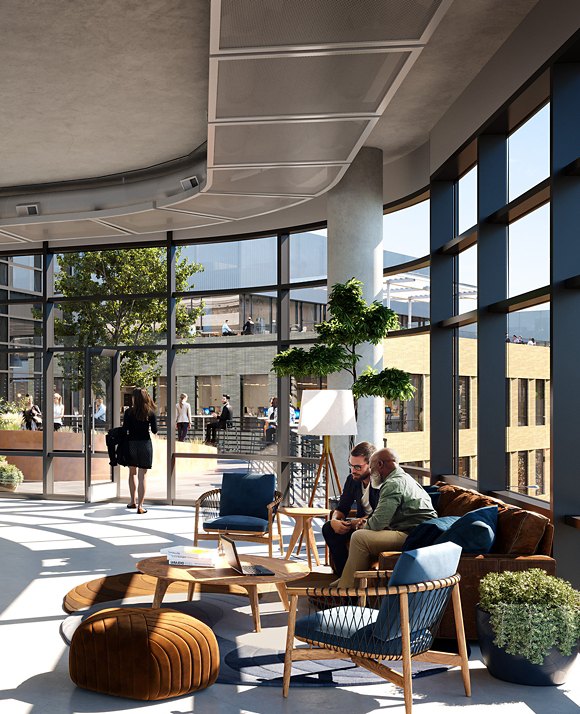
(48, 547)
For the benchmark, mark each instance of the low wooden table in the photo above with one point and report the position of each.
(224, 575)
(303, 530)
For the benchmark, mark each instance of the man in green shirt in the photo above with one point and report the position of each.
(403, 504)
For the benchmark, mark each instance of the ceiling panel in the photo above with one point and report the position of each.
(160, 220)
(278, 180)
(303, 85)
(235, 207)
(56, 230)
(286, 142)
(271, 23)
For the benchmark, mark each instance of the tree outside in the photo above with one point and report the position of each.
(125, 321)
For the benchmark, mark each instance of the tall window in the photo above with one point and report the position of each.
(522, 402)
(540, 402)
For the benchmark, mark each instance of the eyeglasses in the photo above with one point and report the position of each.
(355, 467)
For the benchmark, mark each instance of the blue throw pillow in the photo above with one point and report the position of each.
(474, 532)
(426, 533)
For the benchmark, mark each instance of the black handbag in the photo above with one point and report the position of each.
(117, 441)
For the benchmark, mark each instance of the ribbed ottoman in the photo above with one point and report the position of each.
(143, 653)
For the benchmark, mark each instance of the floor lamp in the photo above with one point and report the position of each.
(326, 413)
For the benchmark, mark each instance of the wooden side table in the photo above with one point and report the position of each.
(303, 530)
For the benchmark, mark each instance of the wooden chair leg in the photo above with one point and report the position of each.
(289, 645)
(406, 647)
(460, 632)
(280, 539)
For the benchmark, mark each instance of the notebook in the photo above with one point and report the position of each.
(233, 559)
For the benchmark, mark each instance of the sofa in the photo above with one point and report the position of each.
(523, 540)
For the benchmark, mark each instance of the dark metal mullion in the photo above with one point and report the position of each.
(283, 339)
(47, 369)
(103, 298)
(565, 307)
(492, 272)
(442, 223)
(171, 362)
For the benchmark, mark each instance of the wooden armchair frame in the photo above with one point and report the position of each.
(210, 502)
(373, 662)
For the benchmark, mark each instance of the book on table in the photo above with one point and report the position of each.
(190, 555)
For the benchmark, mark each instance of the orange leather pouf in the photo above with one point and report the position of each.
(143, 653)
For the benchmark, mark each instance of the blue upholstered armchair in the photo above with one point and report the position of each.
(244, 508)
(385, 618)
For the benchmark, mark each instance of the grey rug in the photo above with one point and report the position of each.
(255, 658)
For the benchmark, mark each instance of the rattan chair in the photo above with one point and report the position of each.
(378, 621)
(244, 508)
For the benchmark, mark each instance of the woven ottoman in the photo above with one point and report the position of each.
(143, 653)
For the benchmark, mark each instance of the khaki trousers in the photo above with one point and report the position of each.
(365, 545)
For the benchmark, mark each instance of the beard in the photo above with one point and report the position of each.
(377, 479)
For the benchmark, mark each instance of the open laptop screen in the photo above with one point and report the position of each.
(231, 554)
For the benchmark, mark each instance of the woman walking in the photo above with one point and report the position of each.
(139, 419)
(182, 417)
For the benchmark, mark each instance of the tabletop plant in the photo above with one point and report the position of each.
(531, 613)
(352, 323)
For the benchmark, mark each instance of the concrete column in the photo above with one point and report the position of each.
(355, 249)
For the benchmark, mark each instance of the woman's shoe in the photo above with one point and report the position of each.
(141, 510)
(131, 505)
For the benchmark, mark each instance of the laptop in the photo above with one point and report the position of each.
(233, 559)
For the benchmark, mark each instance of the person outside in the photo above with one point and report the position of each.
(100, 414)
(140, 421)
(271, 423)
(226, 329)
(248, 328)
(222, 422)
(182, 417)
(31, 415)
(58, 411)
(357, 488)
(403, 504)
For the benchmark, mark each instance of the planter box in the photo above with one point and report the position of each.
(517, 669)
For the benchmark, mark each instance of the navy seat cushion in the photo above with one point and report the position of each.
(247, 494)
(353, 628)
(434, 494)
(474, 532)
(237, 523)
(426, 533)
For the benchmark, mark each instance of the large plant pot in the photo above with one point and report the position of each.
(517, 669)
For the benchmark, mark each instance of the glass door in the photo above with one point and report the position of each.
(102, 412)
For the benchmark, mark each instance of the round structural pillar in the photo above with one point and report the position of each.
(355, 249)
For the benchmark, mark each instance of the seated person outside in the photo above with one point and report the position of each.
(403, 504)
(227, 330)
(271, 423)
(222, 422)
(337, 531)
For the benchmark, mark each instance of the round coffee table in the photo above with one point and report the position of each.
(224, 575)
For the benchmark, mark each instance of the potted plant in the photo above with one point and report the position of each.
(528, 625)
(10, 476)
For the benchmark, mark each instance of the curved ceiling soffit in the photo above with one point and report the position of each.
(285, 120)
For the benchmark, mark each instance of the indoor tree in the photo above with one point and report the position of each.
(352, 323)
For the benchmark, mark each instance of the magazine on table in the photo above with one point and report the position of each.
(190, 555)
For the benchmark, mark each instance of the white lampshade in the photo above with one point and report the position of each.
(327, 412)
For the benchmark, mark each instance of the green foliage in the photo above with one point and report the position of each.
(125, 321)
(11, 414)
(353, 322)
(531, 612)
(319, 361)
(390, 383)
(10, 475)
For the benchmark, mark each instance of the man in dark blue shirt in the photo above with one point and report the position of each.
(337, 530)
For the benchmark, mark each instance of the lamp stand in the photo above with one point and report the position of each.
(328, 466)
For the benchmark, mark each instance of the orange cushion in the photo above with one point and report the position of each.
(143, 653)
(519, 532)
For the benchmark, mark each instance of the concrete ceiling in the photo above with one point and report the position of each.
(285, 94)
